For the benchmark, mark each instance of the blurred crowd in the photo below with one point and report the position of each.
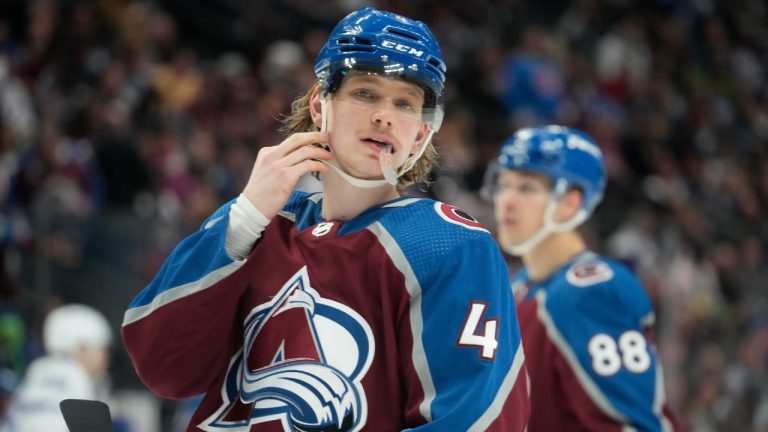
(124, 123)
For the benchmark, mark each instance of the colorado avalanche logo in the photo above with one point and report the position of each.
(457, 216)
(590, 273)
(303, 359)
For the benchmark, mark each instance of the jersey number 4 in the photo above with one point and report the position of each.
(608, 356)
(480, 333)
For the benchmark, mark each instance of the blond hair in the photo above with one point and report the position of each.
(300, 120)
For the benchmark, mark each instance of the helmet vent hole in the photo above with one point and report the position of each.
(344, 41)
(356, 48)
(402, 33)
(363, 41)
(436, 65)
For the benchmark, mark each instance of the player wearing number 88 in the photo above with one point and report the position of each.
(586, 321)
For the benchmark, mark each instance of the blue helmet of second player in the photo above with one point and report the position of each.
(569, 157)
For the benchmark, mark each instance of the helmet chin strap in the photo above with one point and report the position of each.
(412, 159)
(549, 226)
(390, 177)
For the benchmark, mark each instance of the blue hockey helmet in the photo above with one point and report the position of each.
(569, 157)
(388, 44)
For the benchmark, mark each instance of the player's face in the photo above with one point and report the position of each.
(520, 201)
(95, 360)
(369, 111)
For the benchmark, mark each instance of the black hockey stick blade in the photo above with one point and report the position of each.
(86, 415)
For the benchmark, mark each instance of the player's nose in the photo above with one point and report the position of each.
(382, 117)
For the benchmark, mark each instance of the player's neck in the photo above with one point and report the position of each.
(343, 201)
(552, 253)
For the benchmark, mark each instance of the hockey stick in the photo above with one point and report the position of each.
(86, 415)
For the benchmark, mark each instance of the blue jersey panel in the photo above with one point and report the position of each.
(458, 269)
(193, 258)
(602, 311)
(304, 209)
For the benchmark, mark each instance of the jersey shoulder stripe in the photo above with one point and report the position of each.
(196, 263)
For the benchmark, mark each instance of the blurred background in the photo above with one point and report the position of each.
(123, 124)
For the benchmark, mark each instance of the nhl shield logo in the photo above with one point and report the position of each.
(322, 229)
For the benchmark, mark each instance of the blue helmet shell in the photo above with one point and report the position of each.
(386, 43)
(569, 157)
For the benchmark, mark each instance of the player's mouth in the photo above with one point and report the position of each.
(508, 223)
(380, 142)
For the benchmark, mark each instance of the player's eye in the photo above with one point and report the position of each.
(523, 188)
(527, 188)
(364, 95)
(405, 105)
(499, 188)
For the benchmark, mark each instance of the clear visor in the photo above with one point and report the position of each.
(490, 188)
(404, 103)
(494, 185)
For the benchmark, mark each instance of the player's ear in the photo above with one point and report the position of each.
(421, 139)
(568, 205)
(314, 107)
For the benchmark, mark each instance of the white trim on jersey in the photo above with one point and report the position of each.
(290, 216)
(134, 314)
(659, 400)
(402, 203)
(567, 352)
(418, 355)
(493, 411)
(315, 198)
(213, 222)
(648, 320)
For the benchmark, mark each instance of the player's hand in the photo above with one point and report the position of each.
(277, 170)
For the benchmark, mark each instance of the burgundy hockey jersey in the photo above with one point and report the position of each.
(592, 362)
(401, 318)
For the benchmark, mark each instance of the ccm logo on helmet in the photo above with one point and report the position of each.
(402, 48)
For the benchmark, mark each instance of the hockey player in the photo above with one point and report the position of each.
(351, 309)
(76, 338)
(585, 320)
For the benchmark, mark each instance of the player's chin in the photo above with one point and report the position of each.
(511, 239)
(505, 238)
(368, 171)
